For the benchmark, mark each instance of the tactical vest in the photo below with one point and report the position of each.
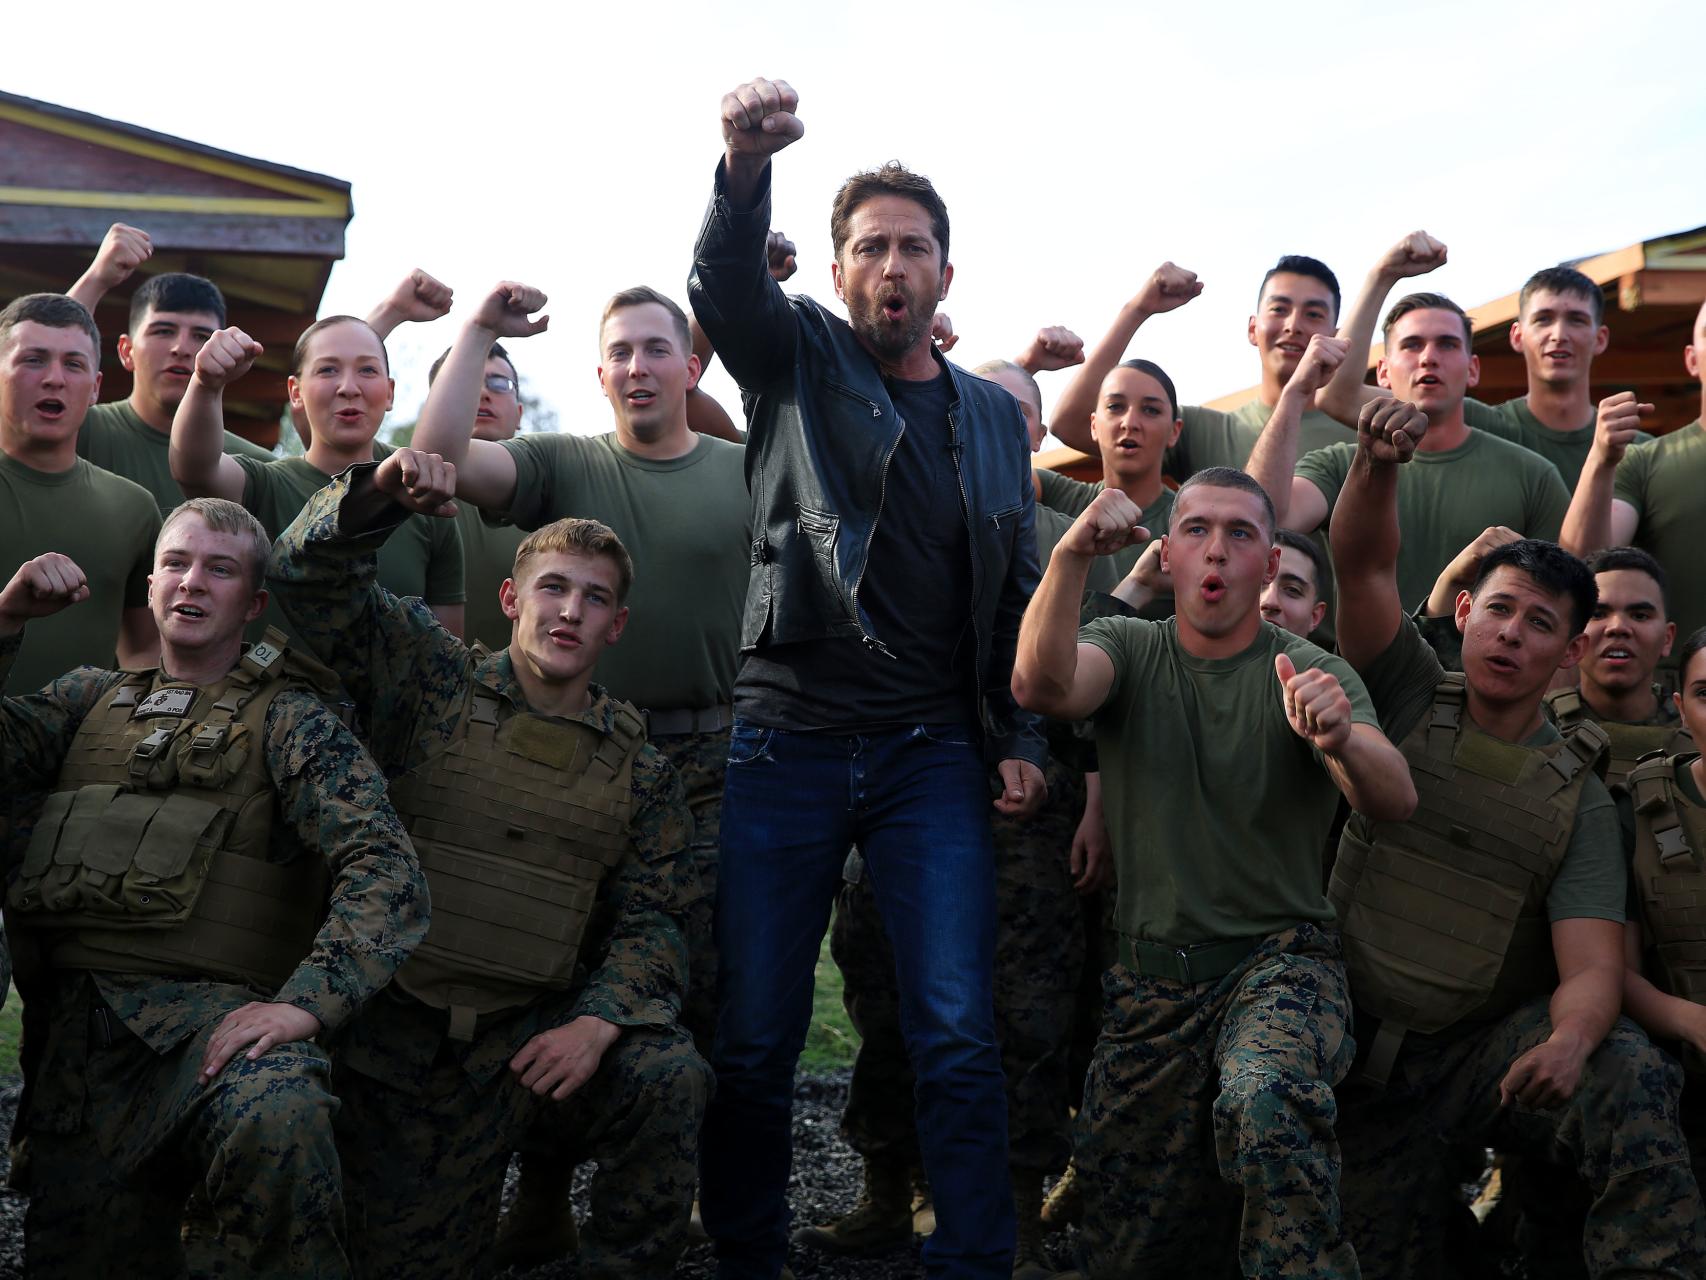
(517, 825)
(150, 854)
(1444, 916)
(1670, 845)
(1629, 742)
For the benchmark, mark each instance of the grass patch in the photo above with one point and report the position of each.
(11, 1029)
(831, 1042)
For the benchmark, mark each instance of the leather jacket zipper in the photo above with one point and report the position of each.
(955, 448)
(870, 641)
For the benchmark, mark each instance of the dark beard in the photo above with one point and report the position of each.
(870, 323)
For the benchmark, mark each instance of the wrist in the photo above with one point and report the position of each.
(10, 626)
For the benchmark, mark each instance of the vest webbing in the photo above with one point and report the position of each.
(1443, 916)
(517, 824)
(1670, 874)
(1628, 742)
(150, 855)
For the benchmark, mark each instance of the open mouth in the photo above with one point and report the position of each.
(1213, 588)
(178, 371)
(564, 639)
(641, 398)
(1504, 666)
(1429, 380)
(188, 611)
(349, 415)
(50, 407)
(1617, 656)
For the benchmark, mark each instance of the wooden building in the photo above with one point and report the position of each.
(266, 234)
(1653, 290)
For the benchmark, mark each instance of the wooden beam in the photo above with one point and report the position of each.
(1661, 289)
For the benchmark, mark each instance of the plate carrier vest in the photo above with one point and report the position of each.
(1629, 742)
(149, 856)
(1670, 845)
(1444, 916)
(517, 824)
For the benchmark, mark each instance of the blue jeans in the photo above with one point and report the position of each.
(916, 802)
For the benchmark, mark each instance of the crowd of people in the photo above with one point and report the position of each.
(1228, 844)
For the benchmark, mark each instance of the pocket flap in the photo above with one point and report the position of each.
(39, 856)
(114, 846)
(173, 835)
(88, 807)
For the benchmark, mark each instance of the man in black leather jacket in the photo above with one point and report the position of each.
(893, 554)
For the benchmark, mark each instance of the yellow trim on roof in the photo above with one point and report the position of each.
(262, 208)
(310, 200)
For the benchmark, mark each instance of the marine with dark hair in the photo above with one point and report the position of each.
(556, 843)
(52, 500)
(215, 880)
(340, 377)
(1484, 935)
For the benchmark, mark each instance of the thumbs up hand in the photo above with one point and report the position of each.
(1315, 704)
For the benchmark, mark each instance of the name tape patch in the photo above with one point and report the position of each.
(164, 702)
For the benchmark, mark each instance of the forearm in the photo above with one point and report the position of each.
(1364, 531)
(1661, 1015)
(707, 417)
(741, 308)
(1587, 524)
(1586, 1004)
(1046, 663)
(198, 441)
(1373, 776)
(1129, 591)
(1070, 419)
(447, 418)
(1274, 459)
(89, 289)
(1442, 600)
(1347, 390)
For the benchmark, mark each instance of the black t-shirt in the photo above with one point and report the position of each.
(916, 591)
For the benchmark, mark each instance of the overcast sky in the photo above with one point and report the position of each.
(1076, 145)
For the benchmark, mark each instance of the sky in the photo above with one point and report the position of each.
(1077, 145)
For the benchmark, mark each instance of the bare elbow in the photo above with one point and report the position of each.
(1036, 693)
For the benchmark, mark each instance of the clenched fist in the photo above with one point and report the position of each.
(1054, 347)
(1168, 288)
(1390, 430)
(417, 299)
(418, 480)
(1321, 360)
(1415, 255)
(942, 332)
(503, 312)
(123, 249)
(225, 357)
(1110, 524)
(758, 119)
(779, 254)
(39, 589)
(1618, 424)
(1316, 705)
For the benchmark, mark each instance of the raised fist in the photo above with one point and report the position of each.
(758, 118)
(1167, 289)
(1315, 704)
(123, 249)
(1054, 347)
(942, 332)
(418, 480)
(225, 357)
(1390, 429)
(1320, 360)
(1111, 523)
(779, 253)
(41, 588)
(418, 298)
(1618, 423)
(1415, 255)
(503, 312)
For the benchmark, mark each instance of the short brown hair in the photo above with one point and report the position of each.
(54, 310)
(641, 295)
(223, 516)
(299, 356)
(1425, 302)
(893, 179)
(581, 537)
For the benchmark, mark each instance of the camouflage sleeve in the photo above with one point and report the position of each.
(36, 728)
(332, 796)
(408, 676)
(644, 969)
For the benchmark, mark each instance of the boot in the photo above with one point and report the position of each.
(540, 1225)
(1065, 1204)
(881, 1221)
(923, 1205)
(1029, 1260)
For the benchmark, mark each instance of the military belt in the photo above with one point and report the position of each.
(687, 720)
(1203, 962)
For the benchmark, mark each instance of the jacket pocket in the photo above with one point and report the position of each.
(817, 529)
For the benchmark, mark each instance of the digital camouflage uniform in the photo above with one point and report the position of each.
(429, 1120)
(699, 760)
(1039, 951)
(116, 1125)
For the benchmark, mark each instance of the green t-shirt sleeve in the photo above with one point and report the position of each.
(545, 479)
(1402, 680)
(1549, 501)
(255, 482)
(1064, 494)
(238, 447)
(1327, 470)
(1593, 880)
(1633, 473)
(1362, 705)
(1123, 640)
(445, 575)
(1493, 419)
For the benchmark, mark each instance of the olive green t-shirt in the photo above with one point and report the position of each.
(1448, 498)
(1590, 882)
(1665, 481)
(687, 524)
(107, 525)
(1513, 420)
(1216, 810)
(115, 437)
(488, 555)
(422, 558)
(1072, 498)
(1215, 438)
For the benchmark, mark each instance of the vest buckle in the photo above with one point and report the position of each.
(145, 753)
(210, 741)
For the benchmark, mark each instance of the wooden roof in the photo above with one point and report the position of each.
(1653, 290)
(265, 233)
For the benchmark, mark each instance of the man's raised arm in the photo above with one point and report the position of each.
(737, 303)
(1364, 531)
(1274, 458)
(199, 462)
(417, 299)
(123, 249)
(1416, 254)
(1596, 519)
(1167, 289)
(485, 472)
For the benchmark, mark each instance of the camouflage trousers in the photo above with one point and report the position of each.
(1039, 951)
(700, 759)
(425, 1169)
(118, 1135)
(1207, 1099)
(1620, 1130)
